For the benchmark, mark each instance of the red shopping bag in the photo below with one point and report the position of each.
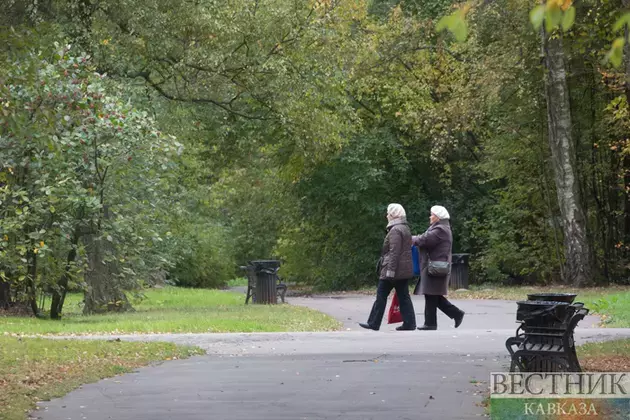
(394, 316)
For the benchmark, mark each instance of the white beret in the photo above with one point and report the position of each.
(440, 212)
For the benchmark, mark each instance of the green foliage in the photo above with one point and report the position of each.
(420, 8)
(456, 24)
(298, 122)
(76, 160)
(203, 256)
(335, 242)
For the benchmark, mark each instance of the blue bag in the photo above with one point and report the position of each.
(415, 256)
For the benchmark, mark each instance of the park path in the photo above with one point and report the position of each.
(350, 374)
(351, 309)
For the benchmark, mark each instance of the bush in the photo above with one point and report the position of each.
(205, 258)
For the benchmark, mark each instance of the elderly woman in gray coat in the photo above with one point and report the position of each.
(435, 245)
(395, 269)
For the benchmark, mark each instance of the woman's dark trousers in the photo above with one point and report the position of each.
(404, 300)
(434, 302)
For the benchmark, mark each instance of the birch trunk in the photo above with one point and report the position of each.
(577, 251)
(626, 159)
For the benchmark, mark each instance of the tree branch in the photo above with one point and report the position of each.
(221, 105)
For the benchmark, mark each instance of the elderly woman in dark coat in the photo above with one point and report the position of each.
(395, 269)
(435, 245)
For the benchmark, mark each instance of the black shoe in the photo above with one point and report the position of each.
(367, 326)
(427, 328)
(459, 319)
(404, 328)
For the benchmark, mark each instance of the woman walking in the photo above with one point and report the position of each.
(435, 246)
(395, 269)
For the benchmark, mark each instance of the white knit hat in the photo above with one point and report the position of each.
(396, 210)
(440, 212)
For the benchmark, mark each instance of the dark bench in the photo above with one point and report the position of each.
(250, 272)
(537, 348)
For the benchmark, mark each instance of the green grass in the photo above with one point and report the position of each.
(605, 348)
(41, 369)
(175, 310)
(608, 356)
(239, 282)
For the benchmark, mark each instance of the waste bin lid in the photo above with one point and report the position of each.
(460, 258)
(260, 264)
(555, 297)
(529, 309)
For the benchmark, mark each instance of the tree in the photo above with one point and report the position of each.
(71, 151)
(578, 254)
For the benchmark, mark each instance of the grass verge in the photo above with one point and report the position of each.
(238, 282)
(608, 356)
(175, 310)
(35, 369)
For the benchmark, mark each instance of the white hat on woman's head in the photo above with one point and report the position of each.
(396, 210)
(440, 212)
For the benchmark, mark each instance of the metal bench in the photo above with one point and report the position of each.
(538, 348)
(250, 272)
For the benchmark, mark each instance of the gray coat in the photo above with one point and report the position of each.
(396, 261)
(434, 244)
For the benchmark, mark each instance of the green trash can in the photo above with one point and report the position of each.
(266, 281)
(459, 271)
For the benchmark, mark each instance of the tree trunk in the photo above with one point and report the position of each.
(104, 293)
(578, 257)
(5, 294)
(59, 292)
(626, 159)
(31, 279)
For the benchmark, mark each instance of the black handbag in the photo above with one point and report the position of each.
(439, 268)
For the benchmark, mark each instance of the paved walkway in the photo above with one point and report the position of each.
(352, 374)
(480, 314)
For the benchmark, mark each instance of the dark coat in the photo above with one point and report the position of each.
(436, 245)
(396, 261)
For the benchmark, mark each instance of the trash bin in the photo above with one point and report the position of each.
(459, 271)
(266, 281)
(538, 313)
(545, 342)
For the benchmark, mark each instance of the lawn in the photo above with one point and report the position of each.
(609, 356)
(177, 310)
(34, 369)
(238, 282)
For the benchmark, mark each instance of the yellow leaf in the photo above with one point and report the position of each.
(41, 244)
(566, 4)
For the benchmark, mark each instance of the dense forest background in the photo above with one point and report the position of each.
(145, 141)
